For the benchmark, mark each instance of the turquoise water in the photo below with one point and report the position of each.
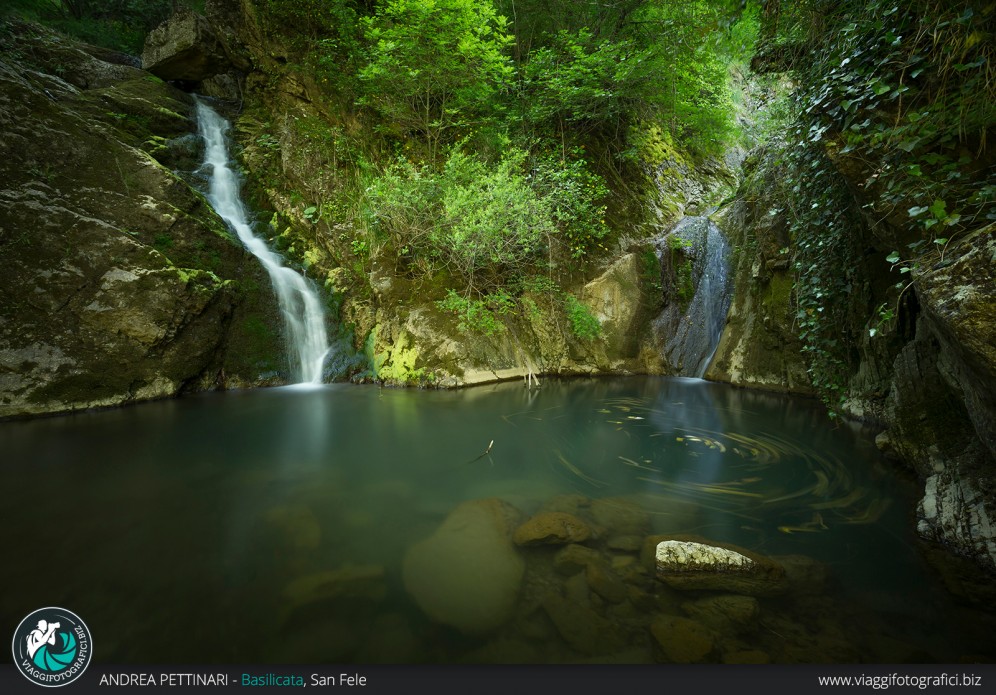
(183, 530)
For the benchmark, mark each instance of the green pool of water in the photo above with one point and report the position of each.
(275, 525)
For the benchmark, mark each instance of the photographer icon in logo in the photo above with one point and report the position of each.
(52, 647)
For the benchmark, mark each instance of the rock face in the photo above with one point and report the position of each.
(928, 374)
(759, 346)
(942, 404)
(116, 276)
(689, 565)
(688, 328)
(614, 298)
(185, 47)
(467, 574)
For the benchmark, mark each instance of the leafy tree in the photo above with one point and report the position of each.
(481, 222)
(435, 65)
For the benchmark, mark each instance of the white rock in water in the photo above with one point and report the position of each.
(692, 566)
(677, 556)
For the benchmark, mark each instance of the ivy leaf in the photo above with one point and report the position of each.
(918, 210)
(872, 332)
(938, 209)
(892, 257)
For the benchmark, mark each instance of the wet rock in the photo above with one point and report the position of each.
(577, 591)
(184, 47)
(552, 528)
(695, 255)
(683, 641)
(626, 544)
(364, 583)
(581, 627)
(575, 558)
(467, 574)
(690, 565)
(759, 345)
(725, 614)
(621, 563)
(606, 583)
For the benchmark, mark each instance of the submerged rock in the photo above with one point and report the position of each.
(348, 584)
(726, 614)
(683, 641)
(605, 582)
(575, 558)
(581, 627)
(689, 565)
(467, 574)
(552, 528)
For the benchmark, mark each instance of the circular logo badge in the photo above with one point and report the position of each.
(52, 647)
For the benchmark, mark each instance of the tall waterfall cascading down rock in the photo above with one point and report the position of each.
(689, 328)
(303, 314)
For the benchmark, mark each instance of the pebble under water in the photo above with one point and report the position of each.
(289, 526)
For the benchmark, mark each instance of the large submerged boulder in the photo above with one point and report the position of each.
(467, 574)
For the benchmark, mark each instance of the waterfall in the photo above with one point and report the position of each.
(690, 335)
(304, 317)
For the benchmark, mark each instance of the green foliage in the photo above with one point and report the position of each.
(584, 325)
(481, 223)
(331, 20)
(486, 223)
(650, 272)
(435, 66)
(580, 82)
(120, 25)
(911, 88)
(479, 315)
(574, 195)
(824, 225)
(623, 62)
(900, 96)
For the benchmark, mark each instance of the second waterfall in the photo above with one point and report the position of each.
(303, 314)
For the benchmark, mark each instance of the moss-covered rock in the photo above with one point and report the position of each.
(117, 277)
(760, 346)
